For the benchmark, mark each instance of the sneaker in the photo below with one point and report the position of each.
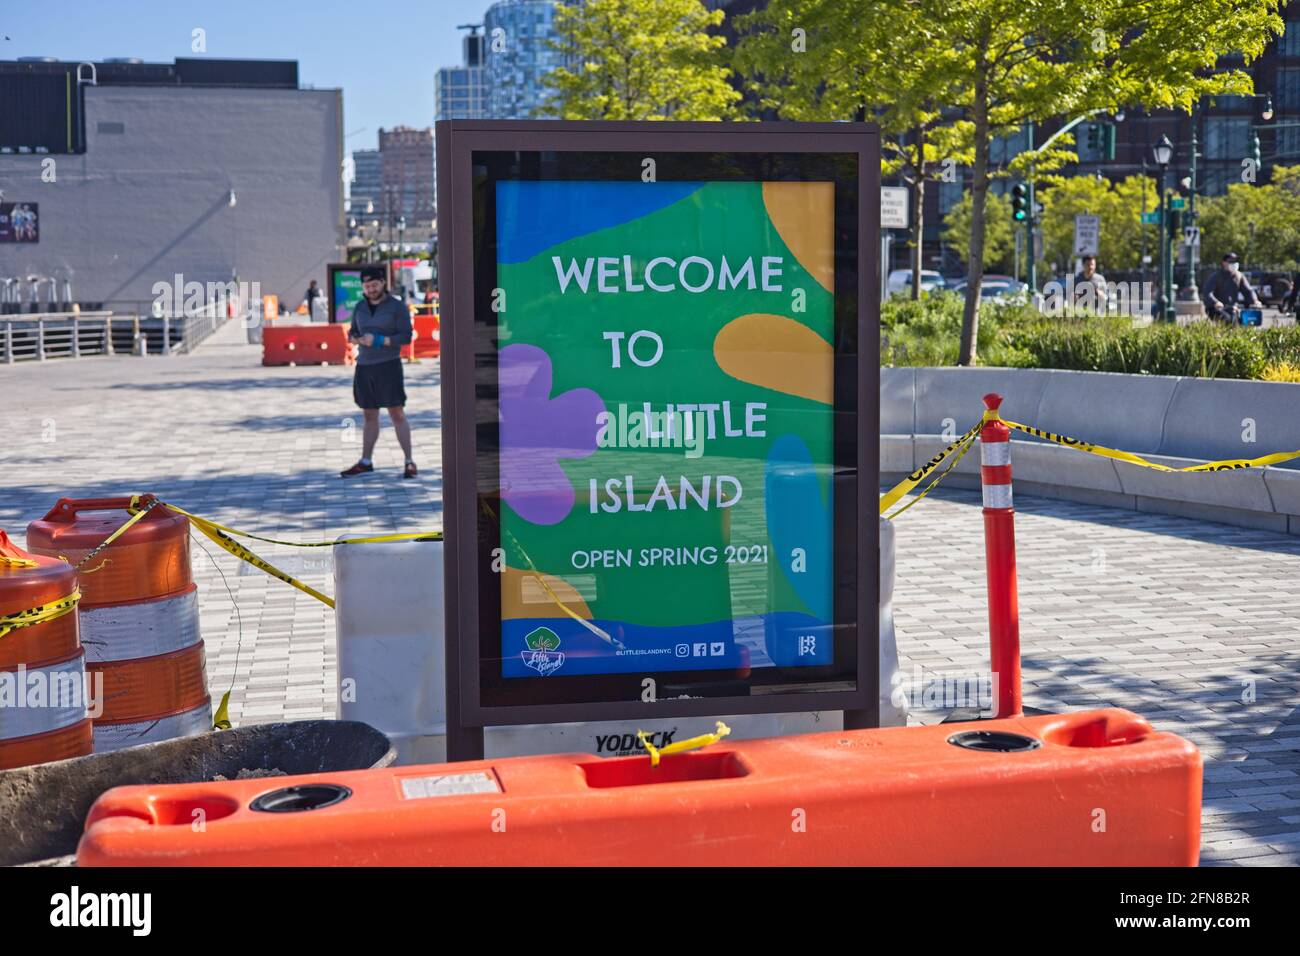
(410, 471)
(357, 469)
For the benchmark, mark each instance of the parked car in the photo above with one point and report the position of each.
(900, 282)
(997, 287)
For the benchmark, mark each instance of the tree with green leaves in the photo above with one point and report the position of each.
(999, 232)
(823, 60)
(1120, 206)
(999, 64)
(641, 60)
(1261, 223)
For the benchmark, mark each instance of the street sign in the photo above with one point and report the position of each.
(893, 207)
(1177, 202)
(658, 495)
(1191, 235)
(1087, 234)
(1151, 218)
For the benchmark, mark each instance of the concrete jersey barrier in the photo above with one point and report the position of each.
(1170, 420)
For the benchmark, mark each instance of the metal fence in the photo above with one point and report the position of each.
(58, 335)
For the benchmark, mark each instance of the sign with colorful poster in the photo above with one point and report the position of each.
(344, 291)
(20, 222)
(666, 425)
(670, 348)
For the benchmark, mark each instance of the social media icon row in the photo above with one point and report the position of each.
(702, 649)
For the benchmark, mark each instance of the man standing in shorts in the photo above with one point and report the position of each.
(381, 325)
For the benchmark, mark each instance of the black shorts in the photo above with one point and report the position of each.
(381, 385)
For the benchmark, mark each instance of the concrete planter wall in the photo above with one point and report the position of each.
(1170, 420)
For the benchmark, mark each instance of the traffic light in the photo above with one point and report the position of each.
(1254, 150)
(1020, 202)
(1108, 141)
(1099, 142)
(1175, 223)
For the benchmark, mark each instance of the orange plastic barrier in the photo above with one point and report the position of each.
(1095, 788)
(306, 345)
(46, 655)
(428, 336)
(151, 560)
(139, 618)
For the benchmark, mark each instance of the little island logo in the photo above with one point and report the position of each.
(542, 655)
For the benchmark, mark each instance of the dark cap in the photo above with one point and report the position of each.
(1230, 257)
(374, 272)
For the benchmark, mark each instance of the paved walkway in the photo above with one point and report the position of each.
(1196, 626)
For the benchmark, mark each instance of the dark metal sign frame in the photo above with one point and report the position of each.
(469, 373)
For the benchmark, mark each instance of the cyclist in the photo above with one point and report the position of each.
(1223, 288)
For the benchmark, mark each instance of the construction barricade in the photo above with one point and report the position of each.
(44, 695)
(139, 617)
(428, 335)
(306, 345)
(1019, 792)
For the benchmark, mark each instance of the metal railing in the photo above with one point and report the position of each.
(59, 335)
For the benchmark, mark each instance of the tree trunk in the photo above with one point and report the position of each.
(918, 210)
(979, 191)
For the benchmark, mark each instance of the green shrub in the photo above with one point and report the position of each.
(928, 332)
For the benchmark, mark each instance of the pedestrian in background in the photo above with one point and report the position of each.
(1090, 286)
(381, 325)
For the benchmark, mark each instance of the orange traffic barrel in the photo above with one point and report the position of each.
(139, 618)
(1098, 788)
(43, 688)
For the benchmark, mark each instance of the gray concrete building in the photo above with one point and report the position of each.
(219, 171)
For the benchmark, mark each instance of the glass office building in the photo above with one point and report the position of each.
(518, 34)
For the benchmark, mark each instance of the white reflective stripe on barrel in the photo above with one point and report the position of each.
(995, 453)
(116, 736)
(997, 496)
(34, 700)
(126, 632)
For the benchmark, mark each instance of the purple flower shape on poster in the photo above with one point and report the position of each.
(537, 431)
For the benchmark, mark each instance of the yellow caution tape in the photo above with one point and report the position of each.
(963, 444)
(681, 746)
(969, 444)
(372, 539)
(39, 614)
(227, 543)
(1078, 444)
(892, 496)
(221, 719)
(222, 536)
(137, 513)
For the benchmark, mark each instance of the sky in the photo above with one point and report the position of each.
(382, 55)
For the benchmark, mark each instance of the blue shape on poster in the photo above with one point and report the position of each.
(798, 518)
(533, 216)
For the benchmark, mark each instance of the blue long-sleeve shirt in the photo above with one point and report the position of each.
(391, 319)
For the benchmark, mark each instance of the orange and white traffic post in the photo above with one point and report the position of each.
(1000, 559)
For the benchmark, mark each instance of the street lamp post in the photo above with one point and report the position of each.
(1163, 153)
(388, 210)
(1189, 290)
(1145, 258)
